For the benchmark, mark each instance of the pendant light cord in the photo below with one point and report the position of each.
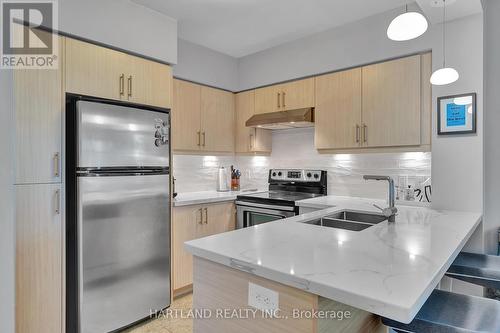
(444, 33)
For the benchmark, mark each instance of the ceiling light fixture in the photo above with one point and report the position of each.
(445, 75)
(406, 26)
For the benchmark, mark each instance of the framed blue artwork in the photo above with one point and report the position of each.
(457, 114)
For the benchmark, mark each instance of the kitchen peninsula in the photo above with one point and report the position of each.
(388, 269)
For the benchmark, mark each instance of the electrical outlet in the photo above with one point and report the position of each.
(262, 298)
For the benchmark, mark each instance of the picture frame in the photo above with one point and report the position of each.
(457, 114)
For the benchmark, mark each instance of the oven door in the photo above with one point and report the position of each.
(250, 214)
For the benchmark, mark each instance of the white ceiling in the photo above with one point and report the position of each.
(455, 9)
(242, 27)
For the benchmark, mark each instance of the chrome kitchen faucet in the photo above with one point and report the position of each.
(389, 212)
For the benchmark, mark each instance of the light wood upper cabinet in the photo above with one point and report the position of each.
(38, 259)
(268, 99)
(338, 110)
(202, 118)
(149, 82)
(217, 120)
(191, 222)
(382, 105)
(392, 103)
(186, 116)
(248, 139)
(101, 72)
(38, 114)
(287, 96)
(94, 70)
(297, 94)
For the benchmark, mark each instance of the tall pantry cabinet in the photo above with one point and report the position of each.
(38, 113)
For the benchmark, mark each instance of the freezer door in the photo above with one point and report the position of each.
(124, 250)
(118, 136)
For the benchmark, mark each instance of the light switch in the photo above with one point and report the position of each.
(262, 298)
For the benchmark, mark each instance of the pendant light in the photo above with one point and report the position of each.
(445, 75)
(406, 26)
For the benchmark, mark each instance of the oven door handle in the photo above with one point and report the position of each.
(258, 205)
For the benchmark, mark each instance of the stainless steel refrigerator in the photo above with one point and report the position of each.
(118, 204)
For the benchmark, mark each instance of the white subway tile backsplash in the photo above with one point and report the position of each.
(295, 149)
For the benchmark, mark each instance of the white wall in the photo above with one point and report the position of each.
(203, 65)
(122, 24)
(491, 121)
(7, 236)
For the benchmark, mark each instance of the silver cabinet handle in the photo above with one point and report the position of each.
(199, 138)
(57, 205)
(122, 84)
(129, 82)
(201, 216)
(279, 100)
(206, 215)
(204, 138)
(357, 133)
(283, 97)
(56, 165)
(251, 142)
(365, 133)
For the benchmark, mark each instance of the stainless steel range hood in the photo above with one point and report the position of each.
(283, 119)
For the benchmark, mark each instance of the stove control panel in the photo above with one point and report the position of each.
(295, 175)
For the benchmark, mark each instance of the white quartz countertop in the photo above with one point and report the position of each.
(389, 269)
(203, 197)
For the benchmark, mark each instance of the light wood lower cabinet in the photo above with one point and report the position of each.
(101, 72)
(39, 259)
(248, 139)
(192, 222)
(38, 114)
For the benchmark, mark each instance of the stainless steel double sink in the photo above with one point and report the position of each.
(349, 220)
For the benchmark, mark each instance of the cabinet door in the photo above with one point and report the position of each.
(391, 103)
(217, 218)
(38, 113)
(297, 94)
(186, 121)
(148, 82)
(338, 110)
(217, 120)
(249, 139)
(159, 85)
(95, 71)
(38, 259)
(184, 227)
(268, 99)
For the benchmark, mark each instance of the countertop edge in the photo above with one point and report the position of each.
(394, 312)
(202, 201)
